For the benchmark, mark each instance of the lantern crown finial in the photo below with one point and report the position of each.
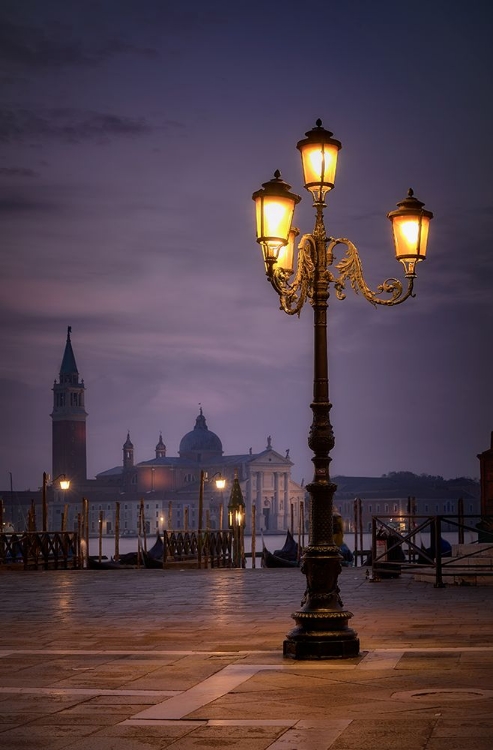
(319, 133)
(411, 203)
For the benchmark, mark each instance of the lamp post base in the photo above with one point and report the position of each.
(321, 630)
(321, 645)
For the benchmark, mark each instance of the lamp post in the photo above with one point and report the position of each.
(322, 630)
(236, 522)
(64, 485)
(220, 484)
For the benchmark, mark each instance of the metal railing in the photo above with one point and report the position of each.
(215, 547)
(35, 549)
(395, 550)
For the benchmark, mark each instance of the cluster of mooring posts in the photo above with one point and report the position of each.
(203, 547)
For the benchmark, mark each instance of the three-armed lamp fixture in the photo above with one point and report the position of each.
(275, 206)
(322, 623)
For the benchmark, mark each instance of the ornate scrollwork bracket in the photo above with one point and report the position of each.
(350, 268)
(294, 294)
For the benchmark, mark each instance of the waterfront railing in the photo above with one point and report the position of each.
(396, 548)
(40, 549)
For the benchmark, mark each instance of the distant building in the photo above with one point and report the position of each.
(486, 474)
(69, 420)
(169, 485)
(265, 481)
(402, 493)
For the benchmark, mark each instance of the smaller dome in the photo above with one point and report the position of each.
(128, 443)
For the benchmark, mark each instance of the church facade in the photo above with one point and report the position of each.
(169, 486)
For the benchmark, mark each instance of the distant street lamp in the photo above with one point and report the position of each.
(236, 522)
(220, 483)
(64, 485)
(322, 623)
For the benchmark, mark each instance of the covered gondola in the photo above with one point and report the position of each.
(157, 549)
(269, 560)
(150, 561)
(289, 550)
(289, 555)
(286, 557)
(154, 554)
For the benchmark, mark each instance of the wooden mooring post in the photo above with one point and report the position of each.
(65, 517)
(117, 531)
(100, 532)
(80, 557)
(254, 514)
(358, 530)
(85, 515)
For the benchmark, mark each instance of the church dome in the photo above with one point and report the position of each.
(200, 443)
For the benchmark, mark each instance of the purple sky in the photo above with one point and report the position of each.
(132, 135)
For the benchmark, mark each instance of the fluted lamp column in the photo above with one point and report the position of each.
(321, 624)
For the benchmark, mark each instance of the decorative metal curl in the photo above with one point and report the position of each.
(293, 295)
(350, 268)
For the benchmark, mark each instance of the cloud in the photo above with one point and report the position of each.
(19, 204)
(17, 172)
(29, 46)
(68, 125)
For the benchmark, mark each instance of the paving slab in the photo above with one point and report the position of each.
(138, 659)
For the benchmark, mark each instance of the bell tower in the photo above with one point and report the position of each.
(69, 420)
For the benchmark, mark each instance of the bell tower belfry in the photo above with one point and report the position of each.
(69, 420)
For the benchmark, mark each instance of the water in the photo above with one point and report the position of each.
(129, 544)
(272, 542)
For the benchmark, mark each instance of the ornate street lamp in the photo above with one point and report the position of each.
(64, 485)
(220, 483)
(322, 630)
(236, 522)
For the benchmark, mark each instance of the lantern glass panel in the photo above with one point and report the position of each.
(285, 258)
(274, 216)
(410, 236)
(319, 167)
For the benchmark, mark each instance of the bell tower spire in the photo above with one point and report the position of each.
(69, 419)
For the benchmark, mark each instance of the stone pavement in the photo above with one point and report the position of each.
(150, 659)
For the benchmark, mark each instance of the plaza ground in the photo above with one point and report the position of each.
(148, 659)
